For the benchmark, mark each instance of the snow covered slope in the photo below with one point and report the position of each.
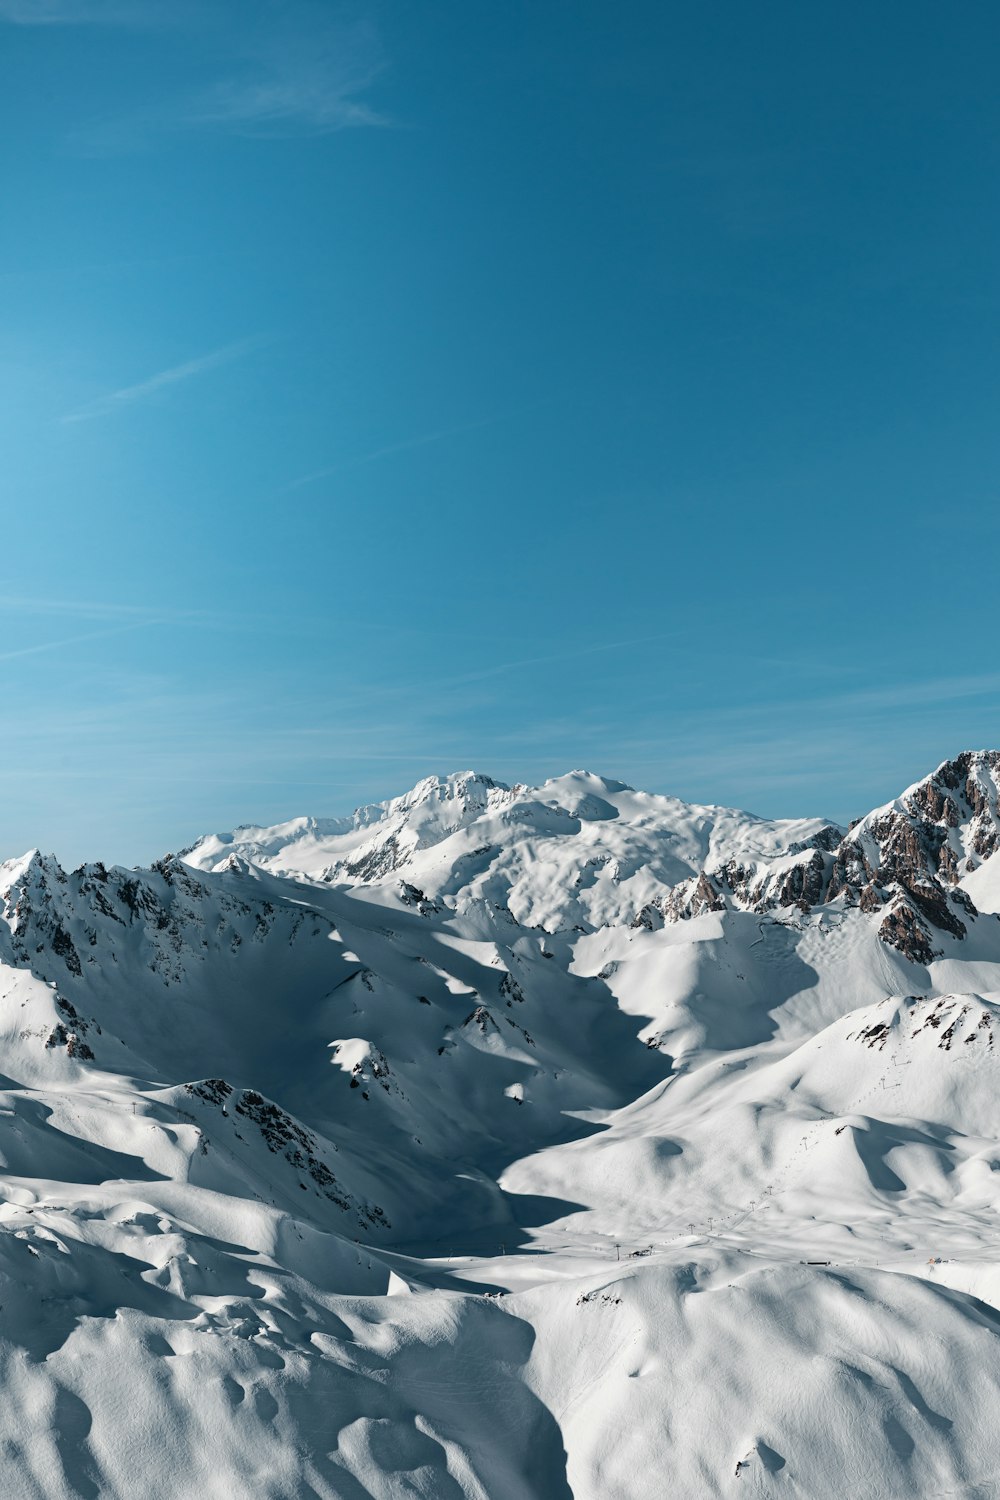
(577, 848)
(509, 1142)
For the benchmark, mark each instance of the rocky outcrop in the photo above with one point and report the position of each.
(691, 899)
(284, 1136)
(909, 857)
(63, 924)
(975, 777)
(377, 861)
(799, 880)
(901, 928)
(904, 860)
(827, 839)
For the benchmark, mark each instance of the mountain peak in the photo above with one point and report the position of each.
(912, 861)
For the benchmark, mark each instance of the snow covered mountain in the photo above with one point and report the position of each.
(509, 1142)
(578, 849)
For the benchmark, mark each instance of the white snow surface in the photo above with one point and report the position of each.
(438, 1151)
(578, 846)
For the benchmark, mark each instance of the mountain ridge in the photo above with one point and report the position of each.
(902, 857)
(604, 1096)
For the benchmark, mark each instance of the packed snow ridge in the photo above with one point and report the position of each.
(517, 1143)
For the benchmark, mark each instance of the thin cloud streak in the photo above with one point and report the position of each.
(103, 406)
(269, 108)
(312, 96)
(30, 605)
(424, 441)
(72, 640)
(284, 72)
(100, 267)
(94, 609)
(419, 689)
(303, 75)
(874, 704)
(74, 13)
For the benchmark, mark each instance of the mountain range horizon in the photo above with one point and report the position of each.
(556, 1099)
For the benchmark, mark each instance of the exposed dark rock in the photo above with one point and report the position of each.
(481, 1017)
(650, 918)
(827, 839)
(377, 862)
(929, 802)
(510, 990)
(918, 848)
(985, 839)
(212, 1090)
(874, 1036)
(870, 899)
(62, 944)
(932, 904)
(901, 928)
(802, 885)
(694, 898)
(75, 1046)
(284, 1136)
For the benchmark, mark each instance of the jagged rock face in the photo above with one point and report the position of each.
(799, 881)
(947, 1019)
(905, 860)
(691, 899)
(283, 1135)
(827, 839)
(902, 929)
(63, 923)
(975, 777)
(910, 856)
(377, 861)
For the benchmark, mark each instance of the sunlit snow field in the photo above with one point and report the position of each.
(509, 1143)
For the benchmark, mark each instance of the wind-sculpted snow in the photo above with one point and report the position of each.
(578, 850)
(507, 1142)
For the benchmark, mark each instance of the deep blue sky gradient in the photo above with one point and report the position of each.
(399, 388)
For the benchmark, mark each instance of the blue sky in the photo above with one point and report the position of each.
(400, 388)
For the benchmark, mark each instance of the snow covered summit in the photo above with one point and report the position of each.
(577, 847)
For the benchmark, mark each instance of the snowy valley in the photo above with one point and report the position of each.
(516, 1143)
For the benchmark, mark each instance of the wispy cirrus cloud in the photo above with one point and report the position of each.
(165, 612)
(103, 406)
(78, 12)
(70, 642)
(307, 79)
(273, 106)
(300, 68)
(360, 460)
